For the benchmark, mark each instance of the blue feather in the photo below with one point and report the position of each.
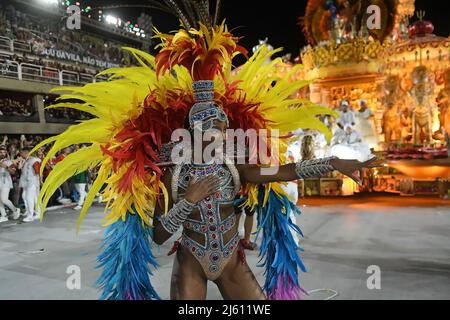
(278, 251)
(126, 259)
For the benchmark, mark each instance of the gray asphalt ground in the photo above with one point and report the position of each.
(408, 239)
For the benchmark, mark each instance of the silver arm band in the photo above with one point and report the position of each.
(313, 168)
(176, 216)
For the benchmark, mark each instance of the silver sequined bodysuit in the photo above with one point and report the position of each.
(214, 254)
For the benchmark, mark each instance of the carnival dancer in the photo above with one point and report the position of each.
(6, 168)
(201, 202)
(141, 115)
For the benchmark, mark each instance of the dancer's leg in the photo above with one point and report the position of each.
(238, 282)
(4, 198)
(81, 189)
(248, 226)
(188, 279)
(36, 211)
(24, 197)
(29, 200)
(2, 210)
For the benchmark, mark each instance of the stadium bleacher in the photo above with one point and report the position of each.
(36, 47)
(48, 52)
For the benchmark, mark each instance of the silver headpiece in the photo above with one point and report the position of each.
(205, 110)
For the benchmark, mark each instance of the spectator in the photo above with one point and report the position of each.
(20, 172)
(80, 182)
(16, 107)
(30, 183)
(65, 187)
(6, 169)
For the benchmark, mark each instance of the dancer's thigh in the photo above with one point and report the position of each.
(188, 279)
(238, 282)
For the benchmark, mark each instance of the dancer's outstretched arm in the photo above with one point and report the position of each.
(303, 169)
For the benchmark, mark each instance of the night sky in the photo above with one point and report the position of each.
(276, 20)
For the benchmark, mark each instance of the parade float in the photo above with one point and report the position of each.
(402, 73)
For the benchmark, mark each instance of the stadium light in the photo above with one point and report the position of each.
(111, 19)
(49, 2)
(145, 23)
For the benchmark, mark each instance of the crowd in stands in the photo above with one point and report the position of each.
(31, 71)
(10, 107)
(14, 157)
(63, 115)
(21, 26)
(37, 37)
(20, 108)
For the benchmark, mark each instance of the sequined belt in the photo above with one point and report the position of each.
(213, 256)
(202, 227)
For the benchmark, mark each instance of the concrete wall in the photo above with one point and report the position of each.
(25, 86)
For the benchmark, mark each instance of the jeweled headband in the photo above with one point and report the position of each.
(205, 110)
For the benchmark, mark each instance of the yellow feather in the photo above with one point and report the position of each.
(73, 164)
(95, 188)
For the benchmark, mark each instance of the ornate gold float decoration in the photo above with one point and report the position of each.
(337, 60)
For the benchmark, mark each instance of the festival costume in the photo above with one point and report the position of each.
(214, 253)
(135, 113)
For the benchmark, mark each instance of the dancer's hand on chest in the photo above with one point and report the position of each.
(199, 189)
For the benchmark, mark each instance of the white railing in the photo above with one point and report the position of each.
(6, 44)
(9, 69)
(21, 46)
(31, 72)
(69, 77)
(102, 78)
(86, 78)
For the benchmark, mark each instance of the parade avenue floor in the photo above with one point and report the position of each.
(407, 239)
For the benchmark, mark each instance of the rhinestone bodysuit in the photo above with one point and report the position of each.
(214, 254)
